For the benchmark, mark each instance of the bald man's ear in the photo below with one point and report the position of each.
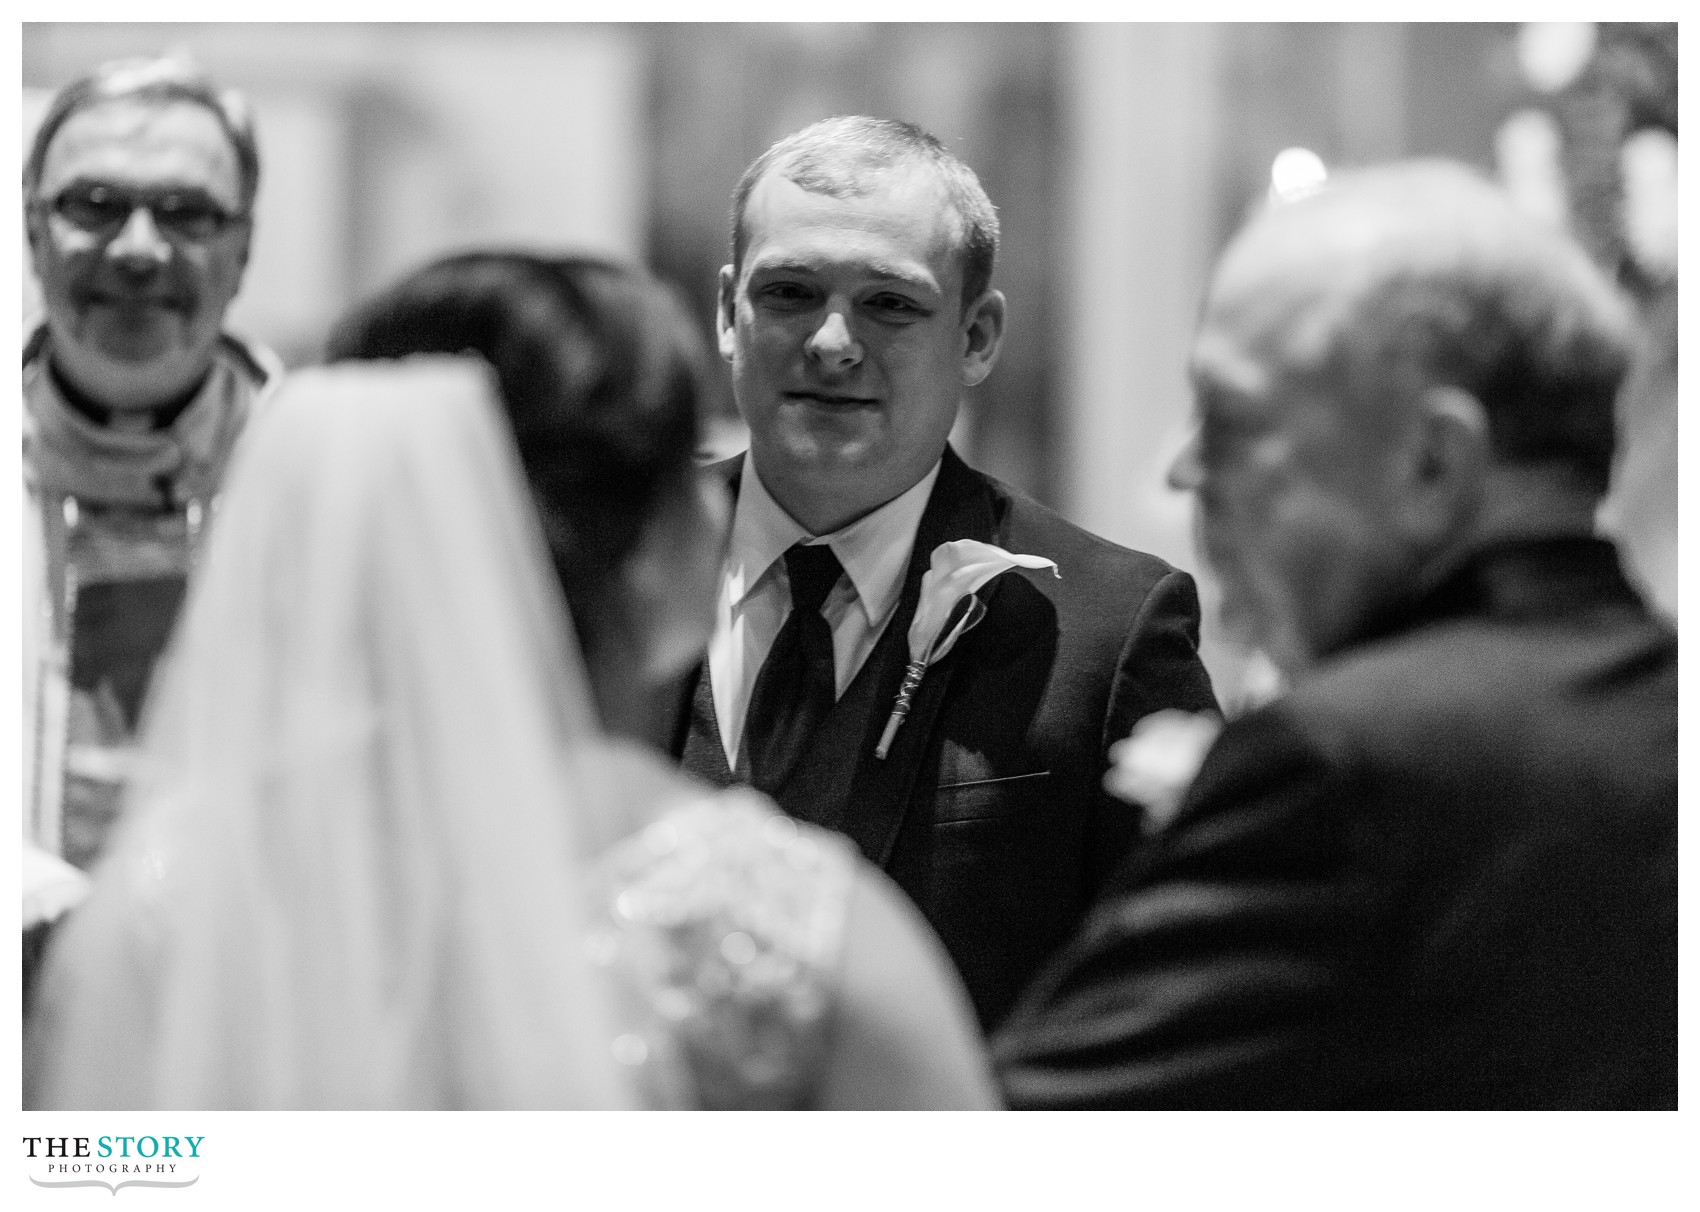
(1451, 454)
(982, 327)
(725, 313)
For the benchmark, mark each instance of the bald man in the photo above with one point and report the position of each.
(1441, 871)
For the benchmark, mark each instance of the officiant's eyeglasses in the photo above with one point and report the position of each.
(102, 210)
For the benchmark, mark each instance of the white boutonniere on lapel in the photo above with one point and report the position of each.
(1155, 765)
(950, 607)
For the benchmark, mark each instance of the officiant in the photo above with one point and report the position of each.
(905, 649)
(138, 201)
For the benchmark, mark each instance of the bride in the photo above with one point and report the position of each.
(399, 842)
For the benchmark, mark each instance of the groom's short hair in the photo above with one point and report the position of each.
(839, 156)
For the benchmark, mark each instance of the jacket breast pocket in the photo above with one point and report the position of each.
(983, 799)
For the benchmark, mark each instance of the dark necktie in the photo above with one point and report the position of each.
(796, 687)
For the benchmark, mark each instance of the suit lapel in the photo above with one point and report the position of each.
(879, 791)
(697, 735)
(870, 805)
(820, 790)
(690, 740)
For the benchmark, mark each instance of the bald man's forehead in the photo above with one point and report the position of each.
(1221, 362)
(1267, 343)
(1420, 219)
(1280, 316)
(1301, 254)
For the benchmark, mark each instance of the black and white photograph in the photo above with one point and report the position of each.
(847, 566)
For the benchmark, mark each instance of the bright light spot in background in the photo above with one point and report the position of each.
(1526, 150)
(1649, 200)
(1553, 53)
(1297, 171)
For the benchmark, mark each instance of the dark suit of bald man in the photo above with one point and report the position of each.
(1440, 873)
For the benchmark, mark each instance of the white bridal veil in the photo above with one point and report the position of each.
(352, 873)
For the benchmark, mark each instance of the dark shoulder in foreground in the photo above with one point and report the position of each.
(1470, 676)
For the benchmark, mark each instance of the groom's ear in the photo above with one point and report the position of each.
(726, 313)
(982, 332)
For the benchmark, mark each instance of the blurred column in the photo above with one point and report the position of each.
(1139, 220)
(501, 135)
(1142, 106)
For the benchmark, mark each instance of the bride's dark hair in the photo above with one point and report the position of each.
(599, 372)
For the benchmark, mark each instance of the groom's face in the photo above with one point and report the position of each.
(846, 333)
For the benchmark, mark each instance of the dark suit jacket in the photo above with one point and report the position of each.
(989, 810)
(1439, 873)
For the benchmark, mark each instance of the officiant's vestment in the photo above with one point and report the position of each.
(989, 809)
(112, 520)
(1441, 873)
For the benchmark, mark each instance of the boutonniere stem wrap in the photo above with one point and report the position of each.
(950, 607)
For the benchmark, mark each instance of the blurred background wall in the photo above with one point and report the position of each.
(1121, 158)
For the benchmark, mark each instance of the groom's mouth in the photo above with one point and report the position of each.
(831, 399)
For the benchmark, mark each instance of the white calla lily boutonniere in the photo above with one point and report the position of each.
(950, 607)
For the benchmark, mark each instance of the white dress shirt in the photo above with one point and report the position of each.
(755, 590)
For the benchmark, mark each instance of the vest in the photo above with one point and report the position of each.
(818, 790)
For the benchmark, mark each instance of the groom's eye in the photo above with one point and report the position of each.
(891, 307)
(785, 295)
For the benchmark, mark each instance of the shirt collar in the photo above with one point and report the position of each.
(200, 427)
(874, 549)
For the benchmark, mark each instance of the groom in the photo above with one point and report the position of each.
(856, 309)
